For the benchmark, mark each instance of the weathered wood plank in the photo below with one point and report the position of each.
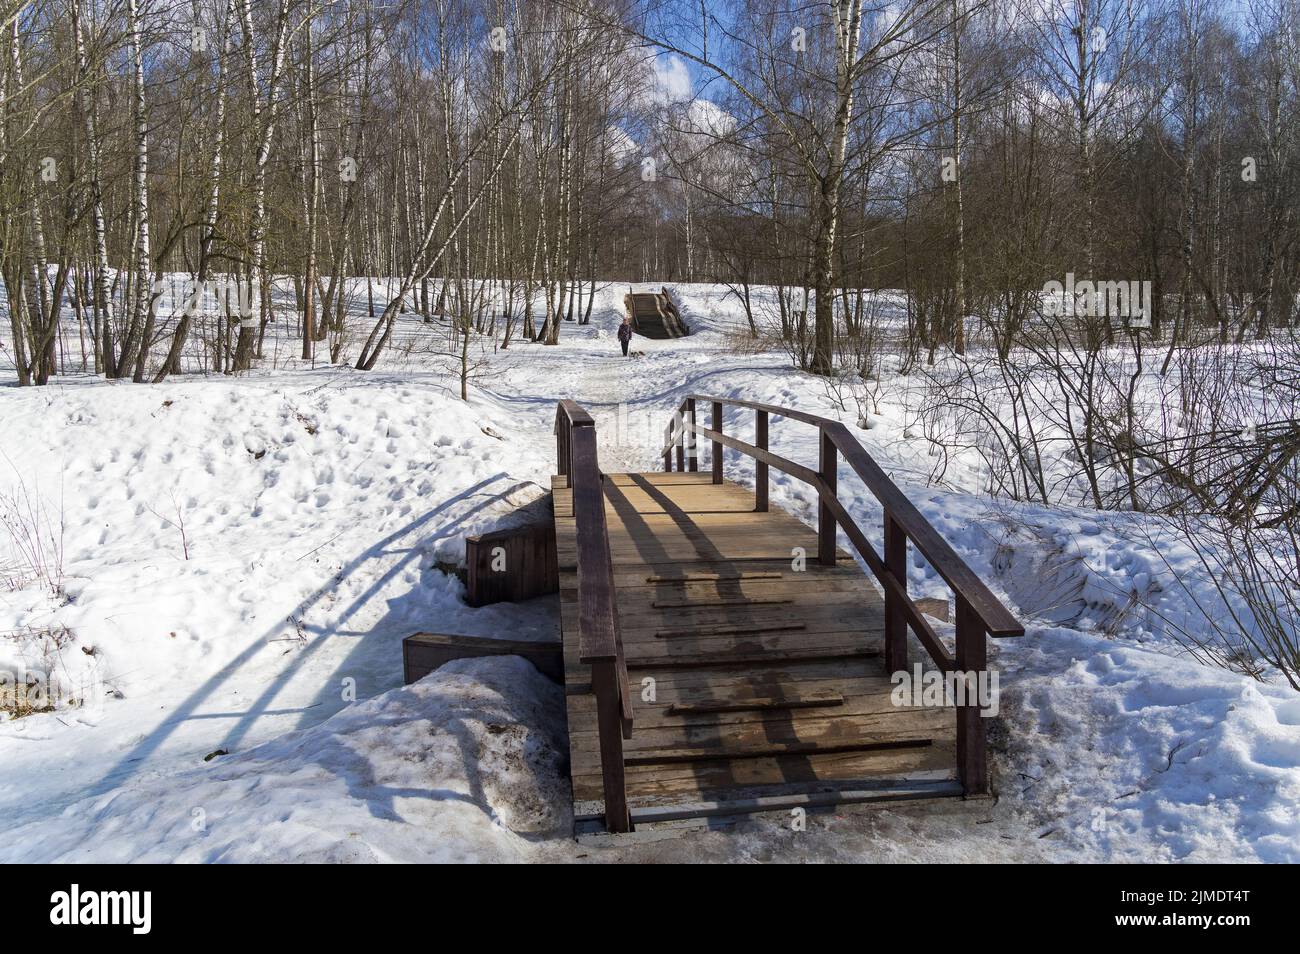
(731, 604)
(422, 653)
(783, 701)
(675, 782)
(511, 565)
(758, 656)
(787, 704)
(758, 731)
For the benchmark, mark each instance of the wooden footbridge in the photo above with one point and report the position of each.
(655, 315)
(720, 657)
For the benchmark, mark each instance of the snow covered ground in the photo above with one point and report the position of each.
(241, 558)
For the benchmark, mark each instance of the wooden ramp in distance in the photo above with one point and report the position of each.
(654, 315)
(769, 687)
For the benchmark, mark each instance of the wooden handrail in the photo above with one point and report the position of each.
(979, 612)
(964, 582)
(599, 644)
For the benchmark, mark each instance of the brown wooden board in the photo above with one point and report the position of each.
(511, 565)
(422, 653)
(675, 783)
(781, 701)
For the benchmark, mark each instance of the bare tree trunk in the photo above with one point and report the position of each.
(963, 304)
(140, 327)
(848, 26)
(248, 326)
(313, 200)
(172, 364)
(103, 295)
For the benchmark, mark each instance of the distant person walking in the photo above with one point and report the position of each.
(625, 334)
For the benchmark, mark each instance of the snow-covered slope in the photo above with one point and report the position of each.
(239, 558)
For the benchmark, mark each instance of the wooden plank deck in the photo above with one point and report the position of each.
(769, 685)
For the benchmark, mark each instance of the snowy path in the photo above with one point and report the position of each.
(605, 382)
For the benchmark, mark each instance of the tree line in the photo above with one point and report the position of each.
(464, 151)
(490, 159)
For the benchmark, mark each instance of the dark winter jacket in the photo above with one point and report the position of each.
(625, 332)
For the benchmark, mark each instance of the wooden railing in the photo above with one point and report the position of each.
(979, 612)
(599, 644)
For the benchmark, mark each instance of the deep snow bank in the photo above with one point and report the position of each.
(465, 765)
(1127, 754)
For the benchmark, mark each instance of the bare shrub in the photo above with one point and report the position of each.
(1213, 447)
(1242, 482)
(32, 538)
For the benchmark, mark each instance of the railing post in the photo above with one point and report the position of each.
(760, 467)
(715, 456)
(562, 452)
(693, 458)
(568, 449)
(609, 719)
(825, 518)
(895, 559)
(972, 661)
(668, 450)
(681, 438)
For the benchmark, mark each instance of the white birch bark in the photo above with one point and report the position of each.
(103, 347)
(264, 123)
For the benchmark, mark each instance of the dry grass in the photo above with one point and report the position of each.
(32, 691)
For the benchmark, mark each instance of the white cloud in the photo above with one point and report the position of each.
(709, 118)
(622, 146)
(672, 79)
